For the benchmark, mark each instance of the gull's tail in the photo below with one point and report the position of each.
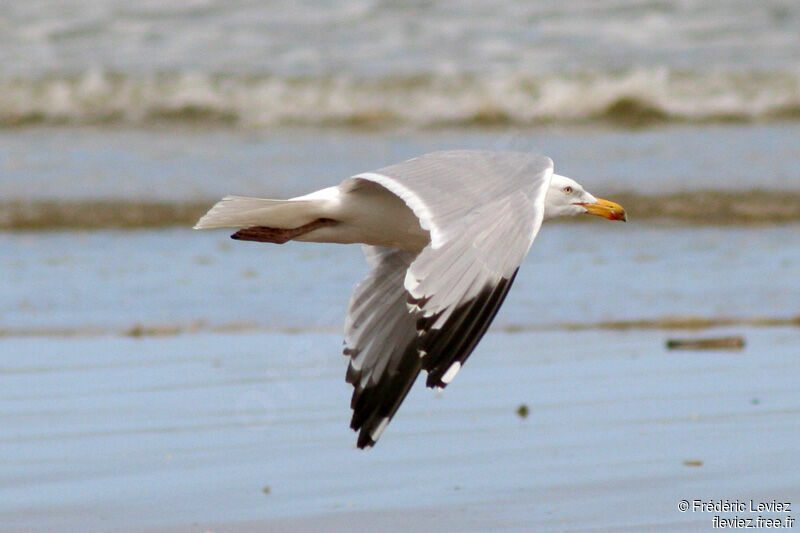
(244, 212)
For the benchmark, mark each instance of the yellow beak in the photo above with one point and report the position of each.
(606, 209)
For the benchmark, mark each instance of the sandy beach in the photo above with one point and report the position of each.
(164, 434)
(137, 396)
(156, 379)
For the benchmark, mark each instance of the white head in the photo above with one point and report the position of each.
(566, 197)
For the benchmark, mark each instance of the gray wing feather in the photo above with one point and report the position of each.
(483, 210)
(378, 326)
(381, 340)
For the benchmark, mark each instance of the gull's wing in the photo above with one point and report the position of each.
(381, 340)
(483, 210)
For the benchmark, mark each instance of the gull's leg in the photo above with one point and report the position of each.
(279, 235)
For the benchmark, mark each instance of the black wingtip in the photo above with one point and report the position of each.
(447, 349)
(364, 441)
(435, 382)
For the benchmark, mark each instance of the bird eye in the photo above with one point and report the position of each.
(567, 190)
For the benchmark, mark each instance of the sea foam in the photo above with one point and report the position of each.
(635, 97)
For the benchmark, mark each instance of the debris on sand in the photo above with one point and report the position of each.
(717, 343)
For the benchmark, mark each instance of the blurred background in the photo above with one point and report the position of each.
(183, 101)
(143, 364)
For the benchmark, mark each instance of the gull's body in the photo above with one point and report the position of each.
(445, 234)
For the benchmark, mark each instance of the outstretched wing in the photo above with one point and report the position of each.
(381, 340)
(482, 210)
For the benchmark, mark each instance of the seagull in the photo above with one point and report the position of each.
(444, 234)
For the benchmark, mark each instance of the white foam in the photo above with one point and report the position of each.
(450, 99)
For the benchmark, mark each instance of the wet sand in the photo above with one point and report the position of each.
(185, 433)
(156, 379)
(696, 208)
(171, 381)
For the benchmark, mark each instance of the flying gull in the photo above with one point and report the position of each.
(444, 235)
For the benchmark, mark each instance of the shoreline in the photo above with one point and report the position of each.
(703, 207)
(199, 327)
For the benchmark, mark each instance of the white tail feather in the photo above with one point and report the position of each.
(242, 212)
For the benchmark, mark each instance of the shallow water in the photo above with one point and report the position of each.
(163, 379)
(128, 434)
(180, 166)
(109, 282)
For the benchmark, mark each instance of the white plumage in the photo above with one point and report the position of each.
(444, 234)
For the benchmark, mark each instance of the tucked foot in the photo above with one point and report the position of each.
(279, 235)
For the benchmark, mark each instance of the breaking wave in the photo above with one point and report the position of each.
(633, 98)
